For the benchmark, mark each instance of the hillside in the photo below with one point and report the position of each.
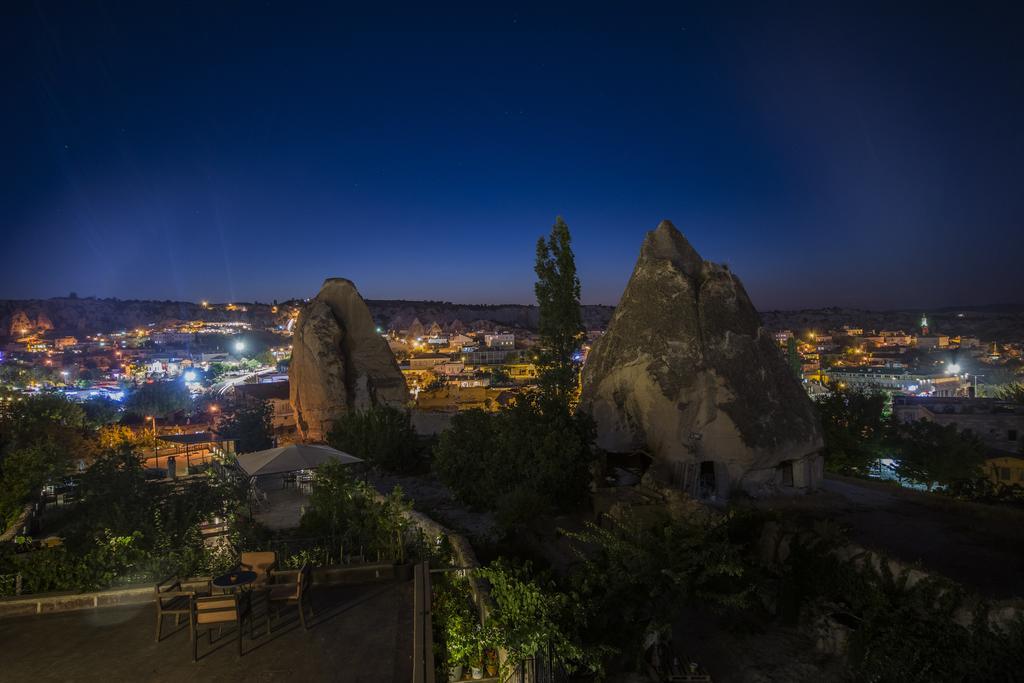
(81, 316)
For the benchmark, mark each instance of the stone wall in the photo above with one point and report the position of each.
(48, 603)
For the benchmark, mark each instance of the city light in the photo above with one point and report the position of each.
(953, 368)
(239, 346)
(190, 376)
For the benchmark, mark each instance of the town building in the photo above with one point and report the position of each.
(897, 381)
(998, 424)
(500, 341)
(274, 394)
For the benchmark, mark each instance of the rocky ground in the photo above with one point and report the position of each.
(433, 499)
(974, 544)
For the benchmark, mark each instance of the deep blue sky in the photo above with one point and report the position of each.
(867, 156)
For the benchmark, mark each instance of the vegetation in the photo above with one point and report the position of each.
(532, 615)
(348, 514)
(639, 573)
(250, 427)
(902, 630)
(158, 399)
(381, 435)
(932, 454)
(855, 430)
(100, 411)
(126, 529)
(41, 437)
(793, 359)
(1014, 391)
(560, 324)
(520, 462)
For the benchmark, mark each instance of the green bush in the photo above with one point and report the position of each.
(250, 427)
(348, 513)
(381, 435)
(520, 462)
(125, 529)
(40, 439)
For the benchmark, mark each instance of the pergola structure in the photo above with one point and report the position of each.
(197, 446)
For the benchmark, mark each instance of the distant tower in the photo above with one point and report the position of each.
(924, 325)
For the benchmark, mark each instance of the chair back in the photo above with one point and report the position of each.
(216, 609)
(303, 580)
(169, 585)
(260, 562)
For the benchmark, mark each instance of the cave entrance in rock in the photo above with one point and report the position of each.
(707, 481)
(786, 470)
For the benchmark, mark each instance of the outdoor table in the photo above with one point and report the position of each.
(235, 580)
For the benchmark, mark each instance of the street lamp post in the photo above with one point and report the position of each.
(156, 454)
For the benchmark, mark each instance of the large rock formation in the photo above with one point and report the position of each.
(687, 372)
(339, 361)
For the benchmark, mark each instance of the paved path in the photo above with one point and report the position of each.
(360, 633)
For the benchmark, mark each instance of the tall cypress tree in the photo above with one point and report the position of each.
(561, 324)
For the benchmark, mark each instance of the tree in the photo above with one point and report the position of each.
(560, 324)
(159, 399)
(932, 454)
(520, 462)
(793, 359)
(1011, 392)
(250, 427)
(639, 572)
(382, 435)
(500, 378)
(100, 411)
(855, 429)
(40, 438)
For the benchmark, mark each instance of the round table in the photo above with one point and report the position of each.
(235, 580)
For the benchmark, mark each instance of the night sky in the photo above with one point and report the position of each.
(244, 151)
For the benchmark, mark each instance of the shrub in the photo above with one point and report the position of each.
(349, 514)
(381, 435)
(520, 462)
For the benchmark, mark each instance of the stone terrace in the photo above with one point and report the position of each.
(360, 633)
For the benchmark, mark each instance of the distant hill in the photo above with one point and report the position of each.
(81, 316)
(1004, 323)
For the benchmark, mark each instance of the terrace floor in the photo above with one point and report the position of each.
(283, 509)
(360, 633)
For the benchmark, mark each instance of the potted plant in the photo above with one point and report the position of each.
(485, 642)
(476, 664)
(491, 660)
(458, 644)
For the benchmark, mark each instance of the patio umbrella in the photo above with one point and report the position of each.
(291, 458)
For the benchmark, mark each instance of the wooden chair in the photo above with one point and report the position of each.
(260, 562)
(297, 593)
(218, 611)
(172, 600)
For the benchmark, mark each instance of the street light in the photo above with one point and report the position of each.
(239, 346)
(953, 368)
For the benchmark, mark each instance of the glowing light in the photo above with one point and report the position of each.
(239, 346)
(190, 376)
(953, 368)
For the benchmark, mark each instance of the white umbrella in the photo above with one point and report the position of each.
(291, 458)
